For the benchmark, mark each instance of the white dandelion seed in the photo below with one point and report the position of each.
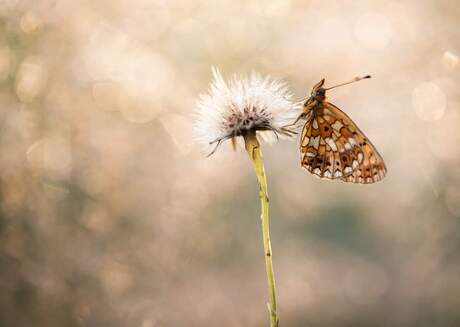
(232, 109)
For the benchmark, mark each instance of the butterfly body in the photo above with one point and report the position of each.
(333, 147)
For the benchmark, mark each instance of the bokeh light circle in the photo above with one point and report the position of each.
(429, 101)
(450, 60)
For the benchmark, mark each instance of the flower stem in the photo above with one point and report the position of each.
(255, 153)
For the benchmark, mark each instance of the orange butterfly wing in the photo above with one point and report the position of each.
(333, 147)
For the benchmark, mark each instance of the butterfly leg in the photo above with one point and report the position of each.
(287, 131)
(294, 123)
(301, 116)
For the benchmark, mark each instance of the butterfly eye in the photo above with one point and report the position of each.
(319, 92)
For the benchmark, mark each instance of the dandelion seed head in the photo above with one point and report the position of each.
(252, 103)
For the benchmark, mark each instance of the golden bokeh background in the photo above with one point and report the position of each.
(110, 214)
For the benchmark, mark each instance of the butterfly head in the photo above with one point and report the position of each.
(319, 92)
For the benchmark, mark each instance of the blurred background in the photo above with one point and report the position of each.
(110, 214)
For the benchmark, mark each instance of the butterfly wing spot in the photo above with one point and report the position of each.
(314, 142)
(325, 128)
(331, 143)
(337, 125)
(305, 141)
(306, 162)
(352, 141)
(315, 124)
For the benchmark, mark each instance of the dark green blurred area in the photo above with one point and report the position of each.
(110, 214)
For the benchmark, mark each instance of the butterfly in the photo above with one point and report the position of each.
(332, 146)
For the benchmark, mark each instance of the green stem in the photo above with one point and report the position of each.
(255, 153)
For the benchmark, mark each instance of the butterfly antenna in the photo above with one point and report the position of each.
(356, 79)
